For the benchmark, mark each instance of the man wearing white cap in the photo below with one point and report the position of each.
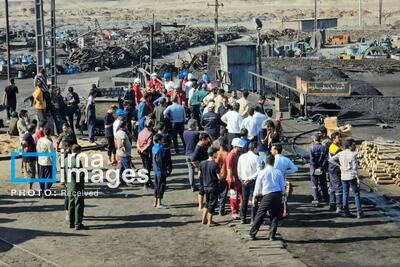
(211, 121)
(137, 91)
(154, 83)
(232, 178)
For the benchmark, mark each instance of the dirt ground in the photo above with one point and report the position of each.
(133, 13)
(124, 229)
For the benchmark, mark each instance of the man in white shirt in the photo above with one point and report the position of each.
(233, 120)
(45, 163)
(282, 163)
(124, 150)
(248, 123)
(120, 118)
(258, 120)
(270, 184)
(248, 169)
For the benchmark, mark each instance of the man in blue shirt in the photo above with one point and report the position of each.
(177, 116)
(282, 163)
(191, 137)
(318, 161)
(270, 185)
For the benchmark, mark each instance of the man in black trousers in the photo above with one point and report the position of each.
(270, 184)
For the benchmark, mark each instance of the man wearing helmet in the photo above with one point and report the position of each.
(154, 83)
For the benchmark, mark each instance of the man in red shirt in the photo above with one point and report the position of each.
(154, 83)
(138, 91)
(144, 146)
(180, 94)
(40, 133)
(232, 178)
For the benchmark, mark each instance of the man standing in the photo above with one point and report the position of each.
(260, 104)
(109, 134)
(282, 163)
(249, 124)
(154, 83)
(234, 97)
(258, 121)
(67, 138)
(75, 190)
(233, 121)
(45, 145)
(73, 108)
(223, 107)
(270, 185)
(160, 168)
(144, 146)
(137, 91)
(211, 122)
(191, 137)
(91, 115)
(248, 169)
(318, 161)
(23, 122)
(177, 116)
(28, 144)
(40, 103)
(335, 183)
(209, 174)
(195, 102)
(145, 109)
(234, 184)
(200, 153)
(159, 113)
(348, 163)
(10, 98)
(222, 154)
(244, 104)
(219, 99)
(124, 150)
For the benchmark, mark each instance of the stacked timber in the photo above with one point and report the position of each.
(381, 160)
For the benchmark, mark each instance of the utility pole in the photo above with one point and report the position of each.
(216, 6)
(315, 18)
(53, 51)
(380, 12)
(360, 20)
(8, 41)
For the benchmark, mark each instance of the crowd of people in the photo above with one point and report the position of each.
(232, 147)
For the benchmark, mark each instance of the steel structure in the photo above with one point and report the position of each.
(40, 39)
(216, 6)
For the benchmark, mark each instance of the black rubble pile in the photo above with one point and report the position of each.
(88, 59)
(136, 48)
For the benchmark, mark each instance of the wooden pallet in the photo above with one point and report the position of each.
(381, 161)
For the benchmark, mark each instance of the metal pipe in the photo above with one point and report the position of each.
(380, 12)
(8, 41)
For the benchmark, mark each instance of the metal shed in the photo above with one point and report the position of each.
(237, 60)
(307, 25)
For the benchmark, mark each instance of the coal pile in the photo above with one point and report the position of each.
(136, 48)
(286, 73)
(284, 35)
